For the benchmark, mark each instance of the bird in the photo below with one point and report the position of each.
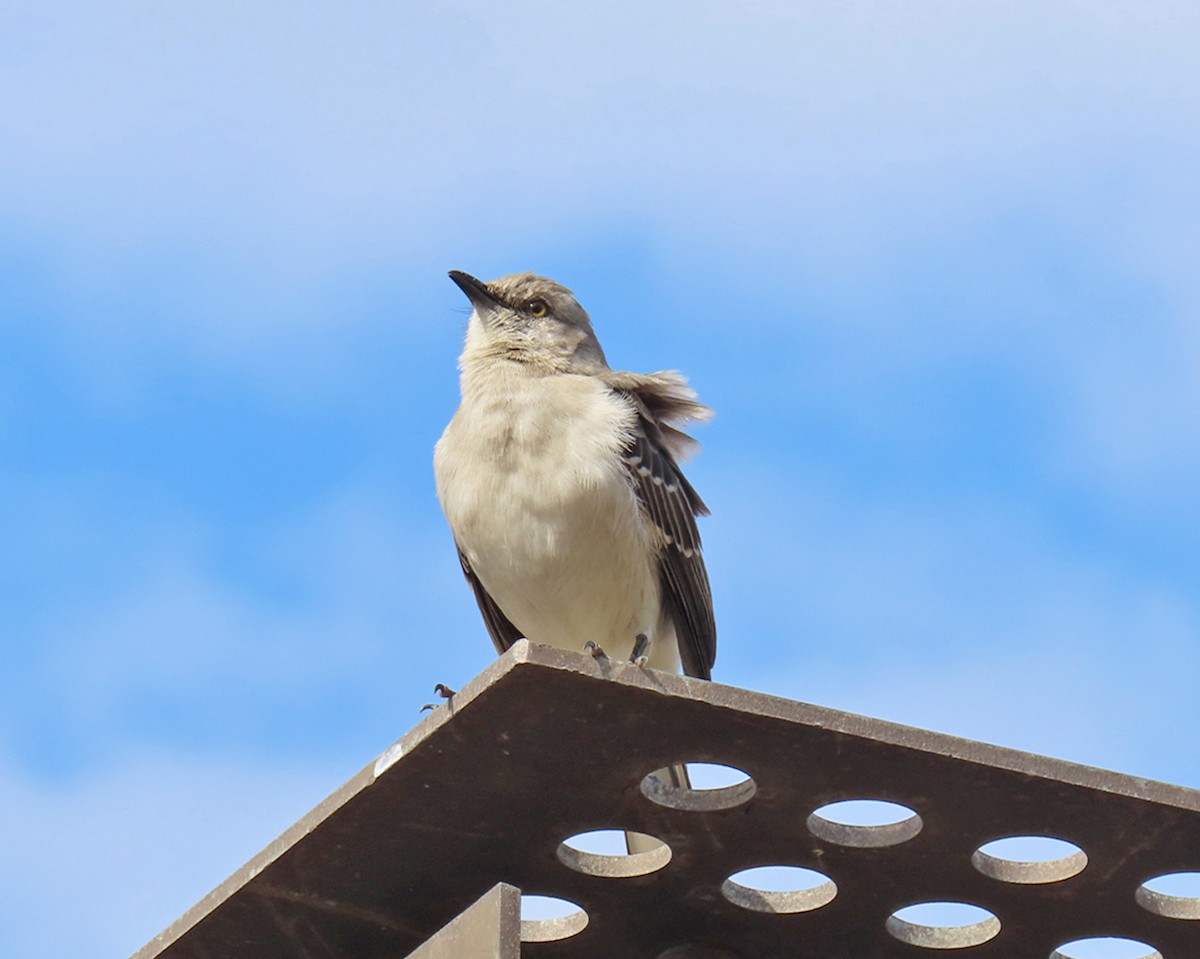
(560, 480)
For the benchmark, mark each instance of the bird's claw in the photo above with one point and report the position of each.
(594, 650)
(638, 657)
(442, 690)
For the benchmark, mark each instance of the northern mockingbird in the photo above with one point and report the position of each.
(559, 477)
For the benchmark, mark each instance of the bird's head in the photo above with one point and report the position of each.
(532, 319)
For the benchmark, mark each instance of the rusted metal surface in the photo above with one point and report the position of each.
(490, 928)
(546, 744)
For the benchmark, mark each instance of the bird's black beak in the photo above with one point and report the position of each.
(477, 292)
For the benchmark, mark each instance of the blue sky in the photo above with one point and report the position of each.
(933, 264)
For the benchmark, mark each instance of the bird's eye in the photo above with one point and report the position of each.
(536, 308)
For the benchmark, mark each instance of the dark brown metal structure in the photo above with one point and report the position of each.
(544, 745)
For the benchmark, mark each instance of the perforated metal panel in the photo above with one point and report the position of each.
(545, 745)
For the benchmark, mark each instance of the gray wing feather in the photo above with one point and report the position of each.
(503, 632)
(672, 505)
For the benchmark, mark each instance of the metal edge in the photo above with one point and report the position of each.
(489, 928)
(865, 727)
(361, 780)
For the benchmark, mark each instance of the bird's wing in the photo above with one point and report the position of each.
(670, 502)
(503, 632)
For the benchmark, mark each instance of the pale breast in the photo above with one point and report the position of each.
(529, 476)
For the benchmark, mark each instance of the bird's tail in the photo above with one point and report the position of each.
(675, 776)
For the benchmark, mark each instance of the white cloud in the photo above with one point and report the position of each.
(272, 169)
(332, 132)
(166, 724)
(134, 845)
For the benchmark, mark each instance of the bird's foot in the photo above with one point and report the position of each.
(638, 657)
(442, 690)
(594, 650)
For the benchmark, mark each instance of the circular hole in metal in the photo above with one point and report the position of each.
(1105, 947)
(1029, 859)
(865, 823)
(1175, 895)
(943, 925)
(712, 787)
(547, 918)
(603, 852)
(715, 775)
(779, 889)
